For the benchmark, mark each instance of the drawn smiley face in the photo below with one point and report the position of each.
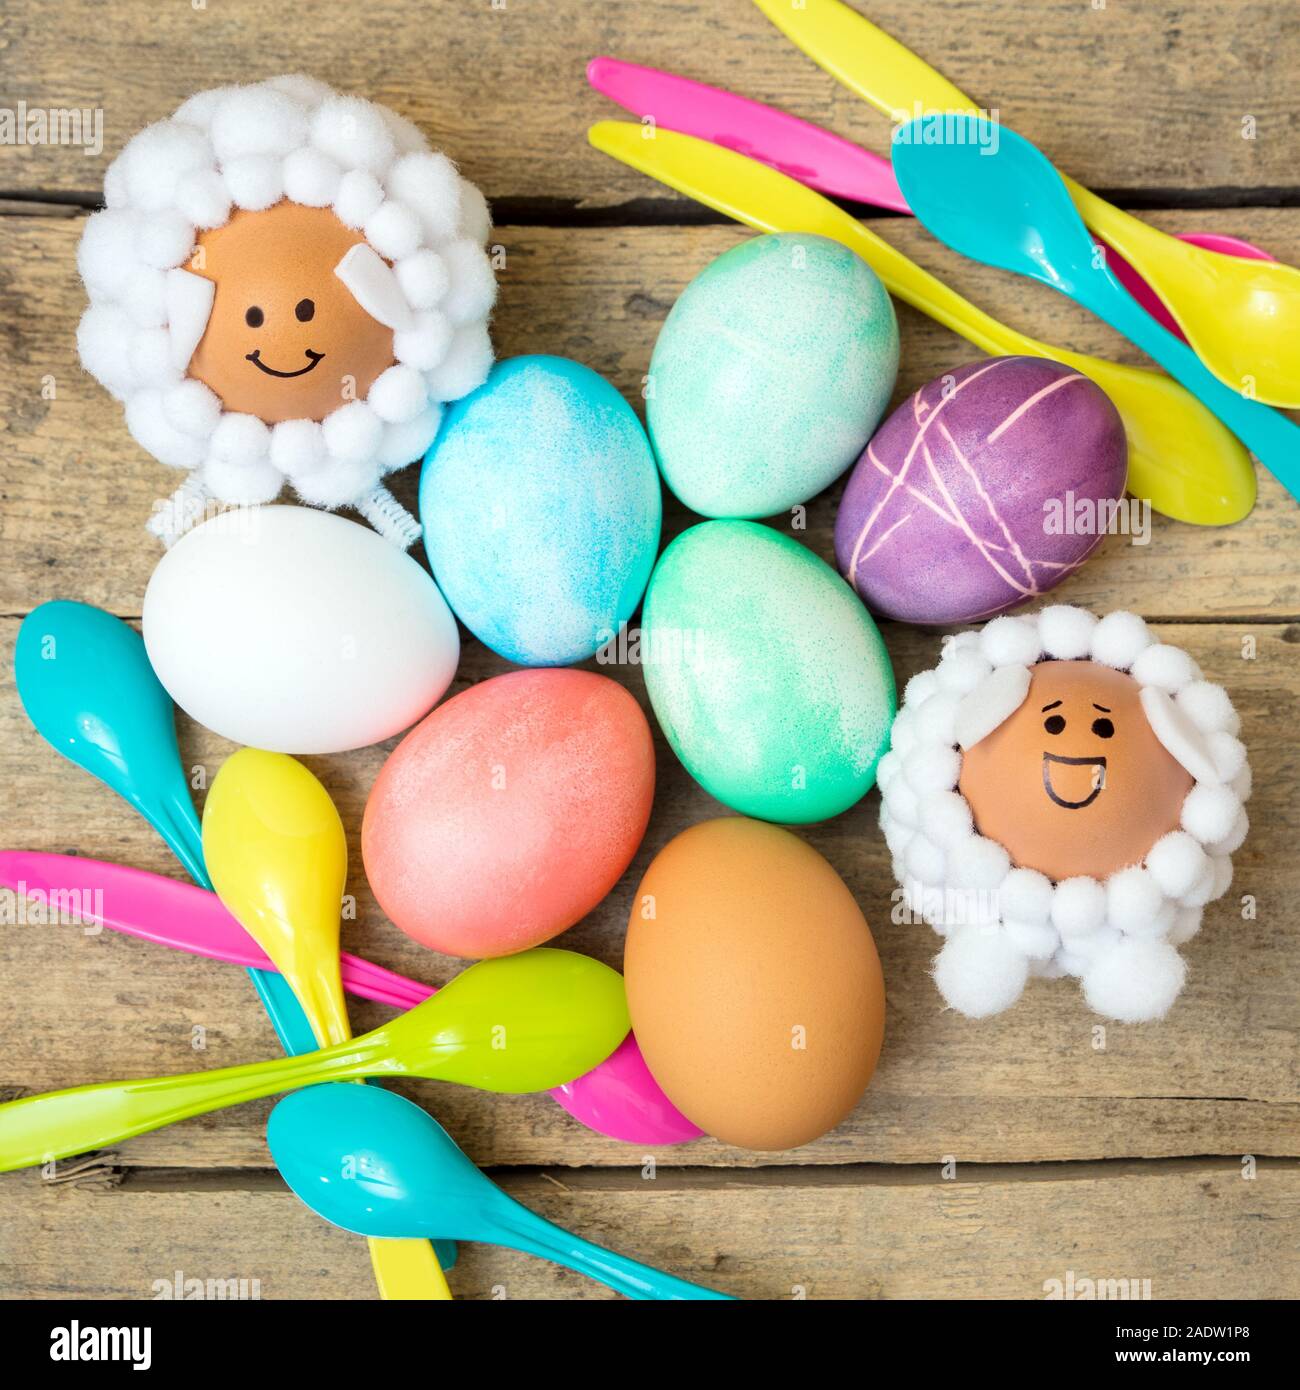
(285, 339)
(1075, 781)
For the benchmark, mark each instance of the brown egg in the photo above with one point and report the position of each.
(286, 340)
(753, 983)
(1075, 782)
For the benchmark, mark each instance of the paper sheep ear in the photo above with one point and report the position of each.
(1181, 739)
(371, 282)
(189, 306)
(995, 699)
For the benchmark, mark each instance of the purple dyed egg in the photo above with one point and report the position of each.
(982, 492)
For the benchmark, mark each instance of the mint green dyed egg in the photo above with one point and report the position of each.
(770, 374)
(766, 672)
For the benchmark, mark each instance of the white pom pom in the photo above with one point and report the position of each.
(1134, 902)
(257, 121)
(255, 181)
(935, 719)
(423, 277)
(1066, 632)
(1222, 876)
(1209, 812)
(1010, 641)
(897, 836)
(978, 863)
(424, 344)
(1228, 753)
(924, 860)
(407, 136)
(311, 178)
(889, 767)
(1037, 940)
(466, 365)
(932, 768)
(405, 442)
(945, 815)
(306, 91)
(1136, 982)
(1025, 895)
(475, 215)
(1187, 922)
(106, 253)
(144, 297)
(1233, 840)
(150, 353)
(1119, 638)
(1078, 907)
(1208, 707)
(149, 428)
(1167, 668)
(164, 240)
(192, 408)
(199, 109)
(980, 972)
(1177, 861)
(919, 689)
(354, 132)
(904, 804)
(359, 196)
(352, 432)
(341, 482)
(399, 394)
(298, 448)
(203, 199)
(1243, 783)
(242, 482)
(429, 183)
(902, 732)
(240, 437)
(473, 285)
(994, 700)
(156, 159)
(392, 230)
(962, 669)
(100, 335)
(1202, 890)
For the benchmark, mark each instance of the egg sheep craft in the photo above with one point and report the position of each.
(1063, 796)
(286, 284)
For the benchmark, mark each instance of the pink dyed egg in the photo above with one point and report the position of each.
(508, 813)
(982, 491)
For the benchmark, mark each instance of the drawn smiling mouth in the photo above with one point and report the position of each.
(1098, 782)
(255, 357)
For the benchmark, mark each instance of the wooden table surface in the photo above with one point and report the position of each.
(987, 1158)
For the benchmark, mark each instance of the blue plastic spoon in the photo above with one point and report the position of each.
(992, 195)
(382, 1170)
(86, 683)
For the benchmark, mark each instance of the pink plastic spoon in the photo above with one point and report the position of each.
(619, 1098)
(814, 156)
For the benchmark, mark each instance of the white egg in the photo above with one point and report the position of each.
(297, 631)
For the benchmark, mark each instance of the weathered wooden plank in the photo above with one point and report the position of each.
(1194, 1230)
(1220, 1075)
(1124, 96)
(77, 489)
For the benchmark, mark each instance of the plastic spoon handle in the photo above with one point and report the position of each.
(524, 1230)
(1159, 417)
(796, 147)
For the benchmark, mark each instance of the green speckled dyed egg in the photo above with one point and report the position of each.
(770, 375)
(766, 672)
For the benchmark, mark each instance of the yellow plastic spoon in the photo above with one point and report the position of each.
(278, 858)
(1181, 458)
(1241, 317)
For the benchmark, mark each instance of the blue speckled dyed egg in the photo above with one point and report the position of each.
(770, 375)
(541, 506)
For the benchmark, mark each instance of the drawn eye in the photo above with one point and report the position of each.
(304, 310)
(1054, 724)
(254, 317)
(1103, 728)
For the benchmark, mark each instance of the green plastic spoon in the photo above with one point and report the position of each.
(515, 1024)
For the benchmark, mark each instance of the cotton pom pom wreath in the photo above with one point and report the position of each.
(280, 256)
(1092, 800)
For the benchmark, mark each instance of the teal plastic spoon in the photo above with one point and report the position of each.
(992, 195)
(382, 1169)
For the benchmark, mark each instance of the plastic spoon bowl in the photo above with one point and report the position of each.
(417, 1181)
(278, 857)
(1180, 457)
(992, 195)
(512, 1025)
(619, 1098)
